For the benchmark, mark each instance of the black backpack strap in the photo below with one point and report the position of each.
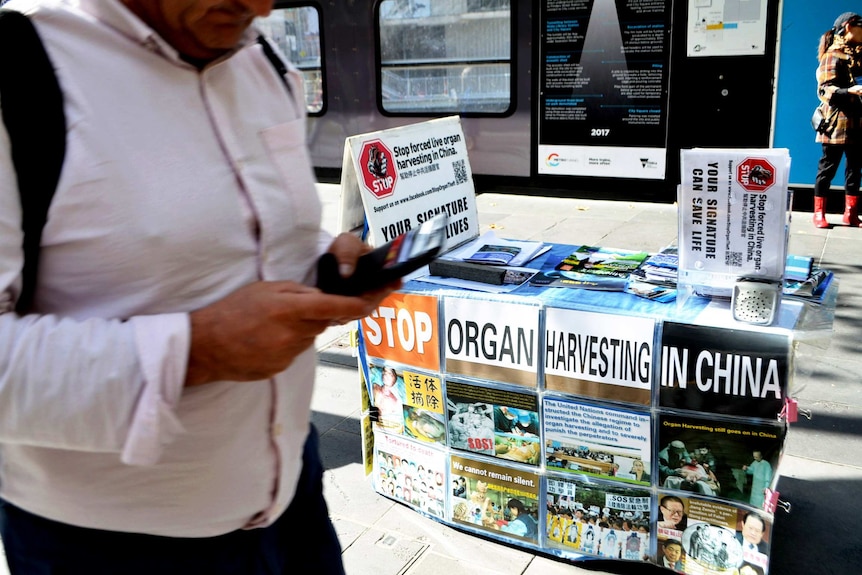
(32, 106)
(276, 61)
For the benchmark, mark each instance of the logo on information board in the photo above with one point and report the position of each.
(378, 168)
(755, 174)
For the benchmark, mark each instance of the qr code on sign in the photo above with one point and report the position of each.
(733, 259)
(460, 171)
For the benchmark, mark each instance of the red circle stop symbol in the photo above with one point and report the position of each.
(378, 168)
(755, 174)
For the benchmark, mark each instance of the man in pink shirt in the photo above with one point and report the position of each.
(155, 399)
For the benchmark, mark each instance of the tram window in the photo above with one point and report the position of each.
(297, 32)
(445, 57)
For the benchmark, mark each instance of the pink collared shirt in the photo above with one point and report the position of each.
(178, 187)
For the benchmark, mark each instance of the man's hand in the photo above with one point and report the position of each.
(258, 330)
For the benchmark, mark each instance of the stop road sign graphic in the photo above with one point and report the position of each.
(378, 168)
(755, 174)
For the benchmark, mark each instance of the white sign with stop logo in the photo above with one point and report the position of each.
(395, 180)
(734, 210)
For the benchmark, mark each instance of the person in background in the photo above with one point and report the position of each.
(751, 535)
(526, 424)
(505, 419)
(839, 86)
(639, 472)
(672, 555)
(671, 460)
(761, 477)
(521, 522)
(155, 400)
(673, 513)
(387, 400)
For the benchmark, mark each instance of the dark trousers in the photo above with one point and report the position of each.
(828, 166)
(303, 540)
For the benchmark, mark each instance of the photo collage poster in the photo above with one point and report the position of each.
(722, 458)
(492, 421)
(599, 518)
(604, 442)
(502, 500)
(703, 537)
(408, 402)
(410, 472)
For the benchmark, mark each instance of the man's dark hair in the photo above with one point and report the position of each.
(516, 504)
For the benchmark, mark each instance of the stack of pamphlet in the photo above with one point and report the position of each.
(593, 267)
(798, 268)
(811, 288)
(804, 280)
(655, 279)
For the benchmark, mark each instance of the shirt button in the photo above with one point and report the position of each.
(276, 430)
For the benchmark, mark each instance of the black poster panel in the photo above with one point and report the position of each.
(604, 81)
(725, 371)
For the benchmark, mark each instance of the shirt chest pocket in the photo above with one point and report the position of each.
(286, 147)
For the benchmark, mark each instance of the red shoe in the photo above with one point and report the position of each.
(851, 211)
(820, 213)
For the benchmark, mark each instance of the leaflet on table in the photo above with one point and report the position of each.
(492, 340)
(493, 421)
(812, 289)
(494, 254)
(659, 268)
(592, 267)
(733, 216)
(650, 291)
(698, 536)
(599, 518)
(488, 245)
(655, 278)
(587, 439)
(407, 402)
(719, 457)
(728, 371)
(599, 355)
(798, 268)
(410, 472)
(500, 500)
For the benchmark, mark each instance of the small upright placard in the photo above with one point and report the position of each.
(733, 217)
(405, 176)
